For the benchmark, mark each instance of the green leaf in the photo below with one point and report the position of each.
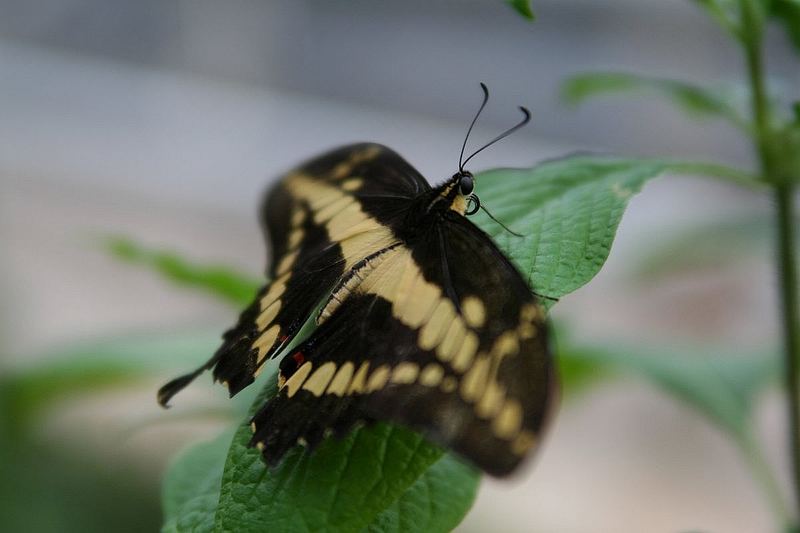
(568, 211)
(343, 486)
(191, 487)
(222, 282)
(693, 100)
(788, 13)
(721, 386)
(523, 7)
(438, 501)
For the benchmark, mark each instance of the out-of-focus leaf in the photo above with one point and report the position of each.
(725, 12)
(191, 487)
(234, 287)
(723, 387)
(438, 501)
(710, 245)
(96, 365)
(788, 13)
(523, 7)
(695, 101)
(45, 487)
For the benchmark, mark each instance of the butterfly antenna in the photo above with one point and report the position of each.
(502, 135)
(464, 146)
(512, 232)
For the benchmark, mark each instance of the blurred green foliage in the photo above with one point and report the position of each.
(568, 211)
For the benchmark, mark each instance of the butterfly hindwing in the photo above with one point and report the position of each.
(443, 336)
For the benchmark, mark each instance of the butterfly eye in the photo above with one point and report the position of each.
(466, 184)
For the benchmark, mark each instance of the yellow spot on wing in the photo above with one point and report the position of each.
(298, 217)
(341, 380)
(378, 378)
(466, 352)
(276, 289)
(319, 380)
(449, 346)
(286, 263)
(474, 381)
(294, 238)
(474, 311)
(508, 422)
(294, 383)
(523, 443)
(352, 184)
(530, 312)
(405, 373)
(506, 344)
(491, 401)
(359, 382)
(265, 342)
(268, 315)
(431, 375)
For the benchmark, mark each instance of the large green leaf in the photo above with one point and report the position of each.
(695, 101)
(567, 210)
(342, 486)
(438, 501)
(191, 487)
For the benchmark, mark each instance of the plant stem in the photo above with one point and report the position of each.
(787, 269)
(784, 195)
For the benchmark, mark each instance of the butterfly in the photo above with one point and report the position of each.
(420, 319)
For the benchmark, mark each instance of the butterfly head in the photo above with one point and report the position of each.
(466, 182)
(460, 195)
(463, 182)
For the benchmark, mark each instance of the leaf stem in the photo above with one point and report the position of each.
(716, 170)
(784, 196)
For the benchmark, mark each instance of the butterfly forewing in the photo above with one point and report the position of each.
(317, 230)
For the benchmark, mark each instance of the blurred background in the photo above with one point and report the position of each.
(163, 121)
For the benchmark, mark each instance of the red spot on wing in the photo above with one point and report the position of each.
(299, 358)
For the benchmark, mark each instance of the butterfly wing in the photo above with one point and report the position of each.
(317, 225)
(442, 335)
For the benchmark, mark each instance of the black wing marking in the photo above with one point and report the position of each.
(319, 220)
(466, 364)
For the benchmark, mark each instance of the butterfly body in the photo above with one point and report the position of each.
(421, 320)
